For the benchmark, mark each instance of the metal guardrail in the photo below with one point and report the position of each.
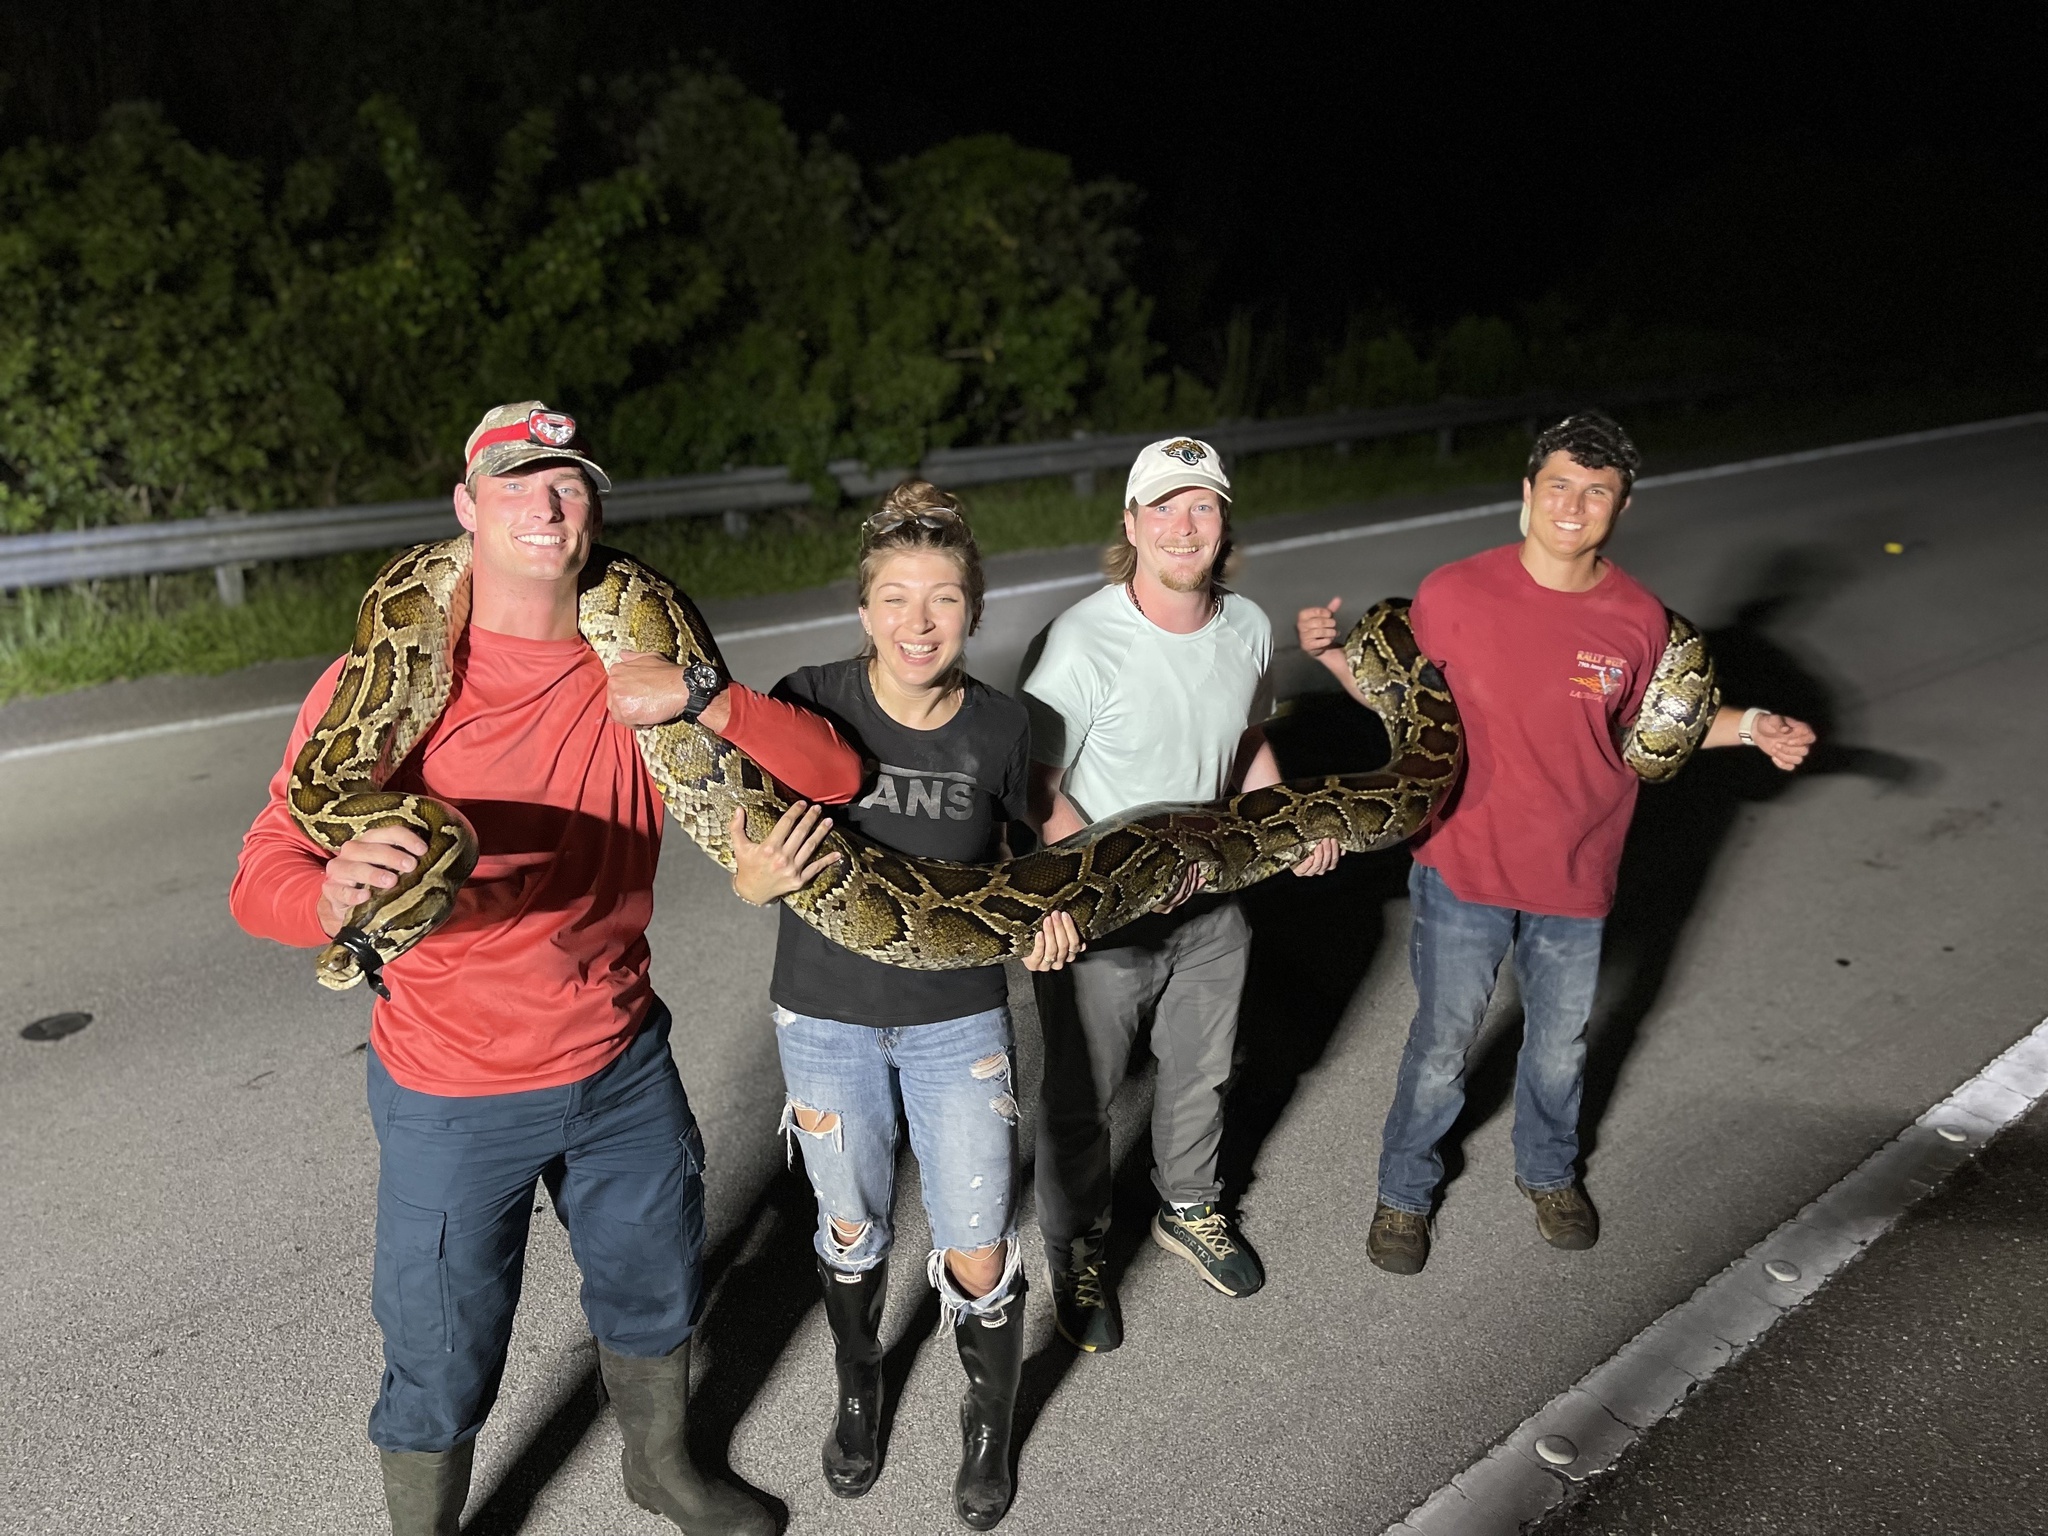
(228, 542)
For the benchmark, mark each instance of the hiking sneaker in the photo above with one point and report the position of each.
(1084, 1308)
(1210, 1241)
(1397, 1241)
(1564, 1216)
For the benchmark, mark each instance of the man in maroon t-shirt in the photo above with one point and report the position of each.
(1548, 648)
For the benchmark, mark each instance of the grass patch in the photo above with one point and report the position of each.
(71, 637)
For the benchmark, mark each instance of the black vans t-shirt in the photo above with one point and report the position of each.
(944, 794)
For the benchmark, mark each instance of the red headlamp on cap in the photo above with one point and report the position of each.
(551, 429)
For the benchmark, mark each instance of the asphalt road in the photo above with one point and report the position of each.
(1797, 969)
(1911, 1396)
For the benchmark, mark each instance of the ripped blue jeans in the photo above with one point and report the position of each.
(952, 1082)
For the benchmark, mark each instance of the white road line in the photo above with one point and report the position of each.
(1843, 450)
(1584, 1430)
(1374, 530)
(142, 732)
(1271, 546)
(1459, 515)
(797, 626)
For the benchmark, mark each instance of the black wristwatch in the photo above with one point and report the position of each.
(705, 682)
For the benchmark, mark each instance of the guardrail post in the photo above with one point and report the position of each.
(736, 522)
(1446, 441)
(1083, 479)
(230, 580)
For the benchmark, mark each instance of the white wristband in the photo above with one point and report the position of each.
(1746, 731)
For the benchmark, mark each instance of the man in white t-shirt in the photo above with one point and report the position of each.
(1152, 689)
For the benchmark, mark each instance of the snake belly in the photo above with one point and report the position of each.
(917, 913)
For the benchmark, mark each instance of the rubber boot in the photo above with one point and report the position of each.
(652, 1400)
(853, 1305)
(425, 1490)
(992, 1351)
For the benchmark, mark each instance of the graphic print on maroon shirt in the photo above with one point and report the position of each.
(1546, 682)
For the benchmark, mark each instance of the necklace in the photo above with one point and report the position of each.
(1131, 591)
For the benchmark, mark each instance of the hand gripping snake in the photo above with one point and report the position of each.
(919, 913)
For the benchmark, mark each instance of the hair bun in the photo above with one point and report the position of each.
(918, 496)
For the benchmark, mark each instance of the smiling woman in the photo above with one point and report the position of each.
(859, 1038)
(920, 598)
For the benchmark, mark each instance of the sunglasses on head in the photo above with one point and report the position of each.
(924, 517)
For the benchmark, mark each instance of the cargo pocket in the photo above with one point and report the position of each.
(692, 1212)
(409, 1284)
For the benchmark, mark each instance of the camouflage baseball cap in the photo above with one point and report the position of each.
(525, 433)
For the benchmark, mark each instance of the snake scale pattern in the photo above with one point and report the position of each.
(922, 914)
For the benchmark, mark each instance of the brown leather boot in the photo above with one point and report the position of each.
(1564, 1216)
(1397, 1241)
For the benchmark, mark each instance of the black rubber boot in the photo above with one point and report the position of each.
(992, 1351)
(853, 1305)
(652, 1400)
(425, 1490)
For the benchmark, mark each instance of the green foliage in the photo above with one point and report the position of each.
(1547, 348)
(140, 367)
(1480, 359)
(185, 337)
(1370, 371)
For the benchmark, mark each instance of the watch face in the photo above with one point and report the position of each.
(702, 677)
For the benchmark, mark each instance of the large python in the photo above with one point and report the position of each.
(923, 914)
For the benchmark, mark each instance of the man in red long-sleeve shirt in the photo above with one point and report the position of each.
(523, 1039)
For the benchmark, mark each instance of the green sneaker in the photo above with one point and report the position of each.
(1564, 1216)
(1084, 1308)
(1210, 1241)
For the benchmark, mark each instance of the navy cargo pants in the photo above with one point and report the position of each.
(623, 1158)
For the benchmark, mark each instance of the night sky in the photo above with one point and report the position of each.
(1827, 167)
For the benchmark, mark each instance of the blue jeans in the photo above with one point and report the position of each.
(951, 1081)
(624, 1161)
(1454, 950)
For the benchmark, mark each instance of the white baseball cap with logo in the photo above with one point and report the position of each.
(1174, 464)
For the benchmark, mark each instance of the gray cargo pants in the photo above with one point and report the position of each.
(1185, 972)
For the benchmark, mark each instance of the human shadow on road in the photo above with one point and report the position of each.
(1132, 1202)
(762, 1281)
(1680, 828)
(767, 1286)
(1312, 940)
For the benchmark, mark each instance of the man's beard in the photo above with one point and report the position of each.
(1178, 579)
